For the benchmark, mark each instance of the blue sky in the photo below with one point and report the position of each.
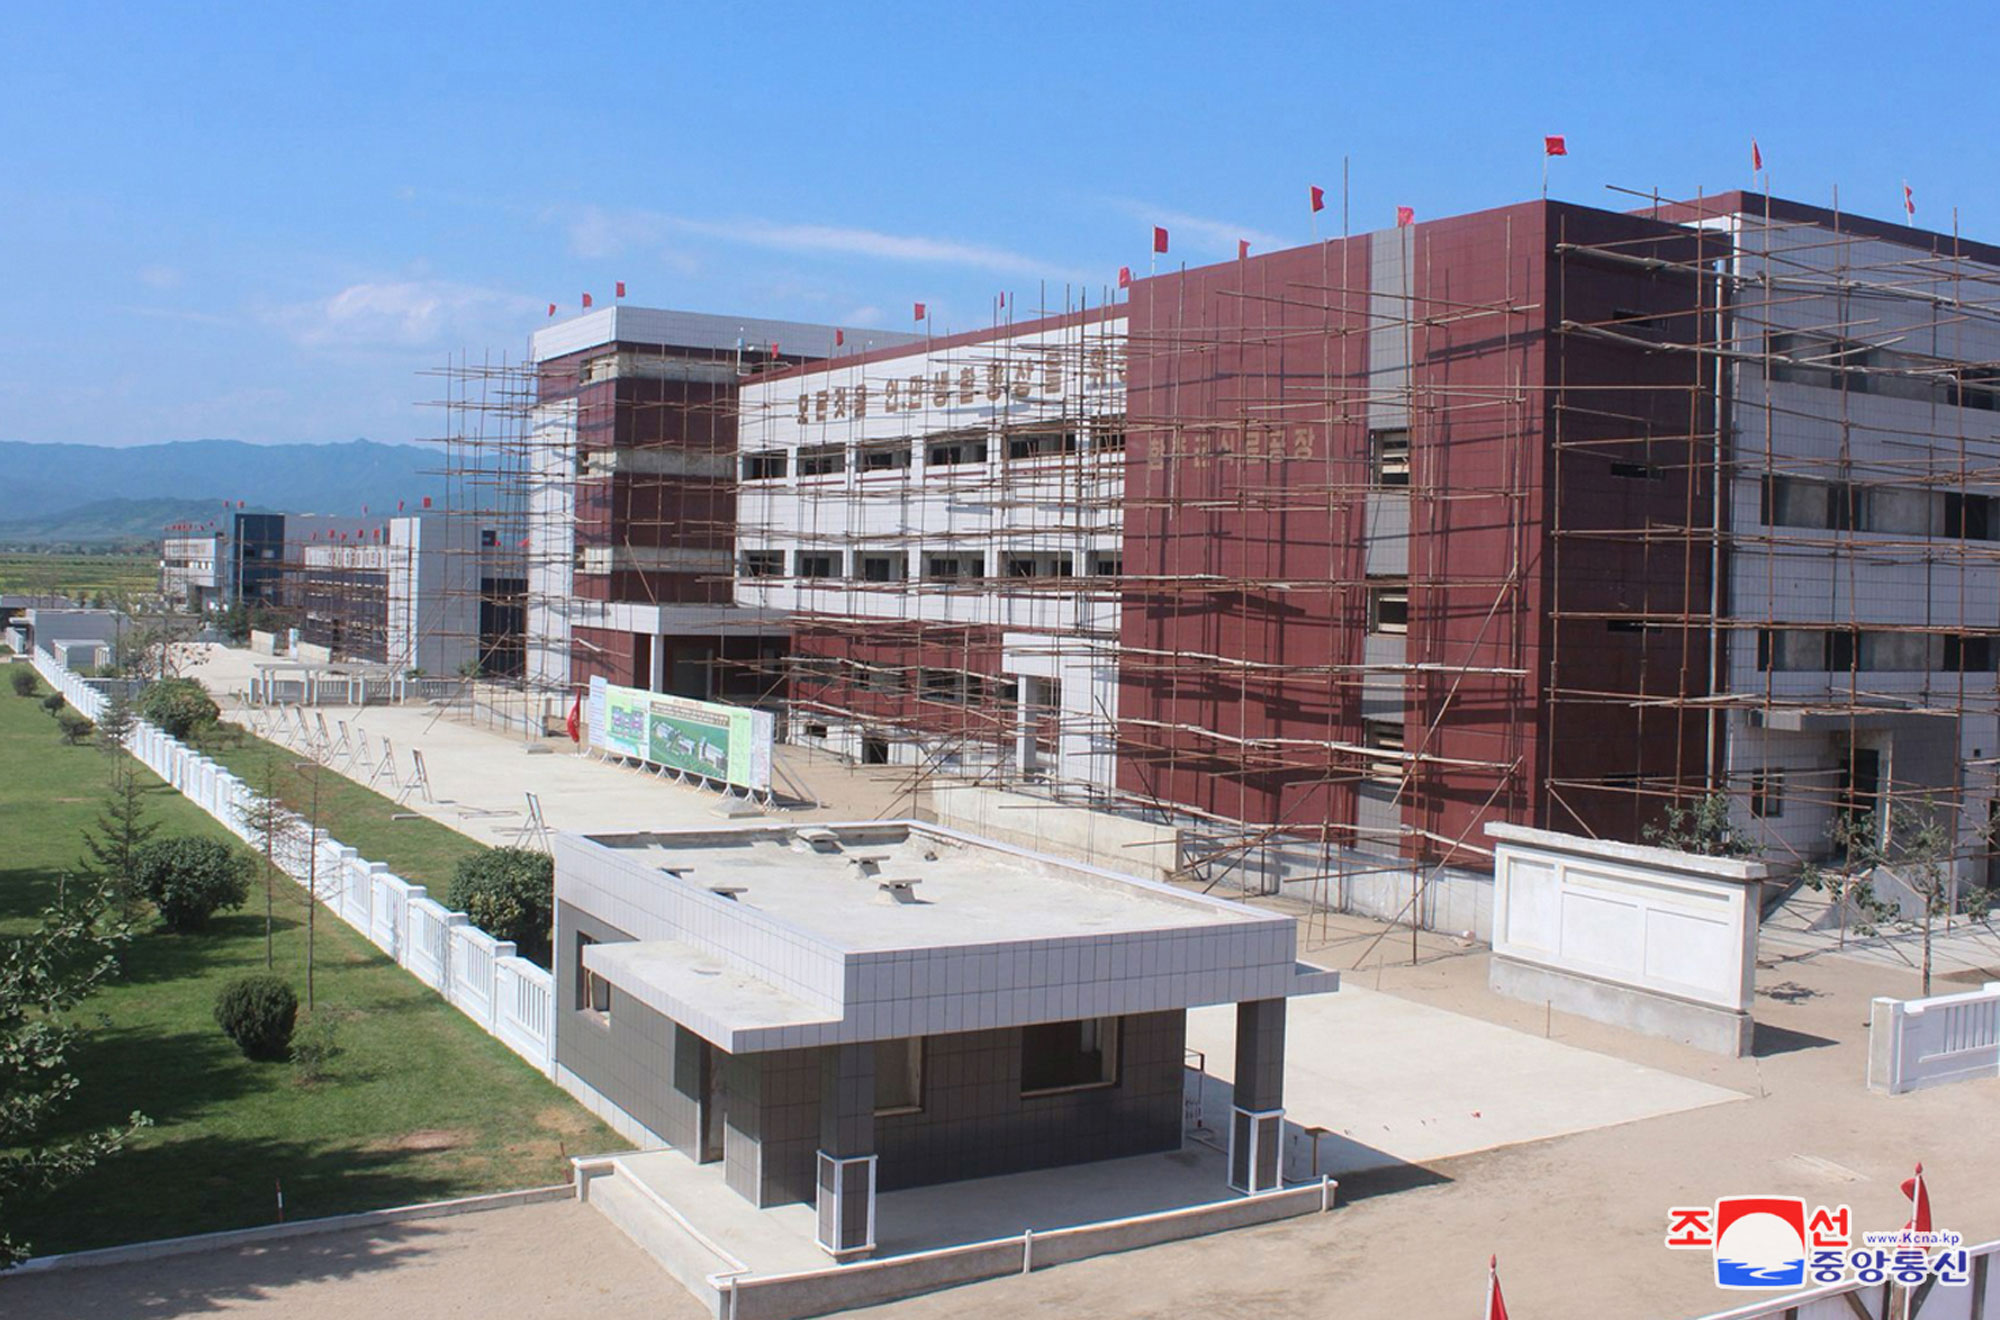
(263, 222)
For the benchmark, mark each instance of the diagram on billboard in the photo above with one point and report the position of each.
(727, 744)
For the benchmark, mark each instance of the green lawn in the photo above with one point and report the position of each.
(74, 574)
(421, 1104)
(419, 850)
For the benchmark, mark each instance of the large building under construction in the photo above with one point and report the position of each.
(1547, 514)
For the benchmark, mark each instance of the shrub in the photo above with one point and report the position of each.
(315, 1044)
(52, 702)
(510, 893)
(258, 1013)
(189, 879)
(178, 705)
(23, 679)
(75, 726)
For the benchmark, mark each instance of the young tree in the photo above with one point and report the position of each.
(1703, 828)
(112, 847)
(114, 725)
(43, 976)
(1918, 851)
(272, 826)
(75, 726)
(179, 706)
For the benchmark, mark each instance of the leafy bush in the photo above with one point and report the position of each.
(315, 1044)
(180, 706)
(510, 893)
(23, 679)
(75, 726)
(258, 1013)
(190, 879)
(53, 702)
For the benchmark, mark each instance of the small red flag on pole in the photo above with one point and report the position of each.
(586, 301)
(1496, 1305)
(1920, 1203)
(839, 338)
(1242, 248)
(1159, 238)
(1909, 202)
(1555, 145)
(1318, 198)
(1124, 277)
(1405, 217)
(574, 724)
(621, 289)
(552, 309)
(919, 312)
(1756, 157)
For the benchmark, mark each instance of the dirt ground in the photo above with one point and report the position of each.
(1577, 1221)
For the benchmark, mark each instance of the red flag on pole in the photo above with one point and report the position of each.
(1909, 202)
(1124, 277)
(1496, 1305)
(1405, 217)
(574, 724)
(1555, 145)
(1920, 1203)
(919, 310)
(621, 289)
(1159, 239)
(552, 309)
(586, 301)
(1756, 156)
(1318, 198)
(1242, 248)
(839, 338)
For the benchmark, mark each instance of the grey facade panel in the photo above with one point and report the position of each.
(1382, 692)
(1377, 813)
(629, 1058)
(1388, 336)
(1387, 544)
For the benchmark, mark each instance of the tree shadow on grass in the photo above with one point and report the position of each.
(211, 1184)
(231, 945)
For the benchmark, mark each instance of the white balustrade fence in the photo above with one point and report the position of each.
(509, 997)
(1914, 1043)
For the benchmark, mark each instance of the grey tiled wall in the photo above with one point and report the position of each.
(631, 1060)
(770, 1138)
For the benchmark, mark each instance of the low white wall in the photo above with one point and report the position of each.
(1116, 843)
(1914, 1043)
(509, 997)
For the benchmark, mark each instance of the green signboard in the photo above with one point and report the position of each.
(728, 744)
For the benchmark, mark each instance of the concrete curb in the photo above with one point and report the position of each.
(234, 1237)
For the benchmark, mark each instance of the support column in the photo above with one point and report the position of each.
(846, 1197)
(1257, 1114)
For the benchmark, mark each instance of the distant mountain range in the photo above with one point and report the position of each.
(97, 493)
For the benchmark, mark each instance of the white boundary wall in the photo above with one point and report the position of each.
(1914, 1043)
(508, 996)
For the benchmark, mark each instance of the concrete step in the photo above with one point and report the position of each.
(618, 1199)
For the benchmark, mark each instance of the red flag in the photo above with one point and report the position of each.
(552, 309)
(774, 348)
(1756, 156)
(621, 289)
(1242, 248)
(1920, 1203)
(1159, 239)
(839, 338)
(1003, 299)
(1124, 277)
(586, 300)
(399, 506)
(1496, 1305)
(574, 724)
(919, 312)
(1555, 145)
(1318, 198)
(1405, 217)
(427, 501)
(1909, 202)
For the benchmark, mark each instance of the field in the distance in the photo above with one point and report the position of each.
(25, 573)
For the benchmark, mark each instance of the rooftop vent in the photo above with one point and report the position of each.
(730, 892)
(903, 891)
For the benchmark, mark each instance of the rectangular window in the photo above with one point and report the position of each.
(955, 448)
(1968, 655)
(1969, 517)
(899, 1076)
(1839, 651)
(1041, 444)
(946, 685)
(881, 568)
(1630, 471)
(1107, 563)
(1389, 458)
(593, 992)
(1107, 435)
(885, 456)
(766, 465)
(1389, 608)
(822, 461)
(953, 568)
(1069, 1056)
(874, 751)
(1380, 736)
(763, 563)
(881, 678)
(1042, 564)
(1767, 794)
(816, 564)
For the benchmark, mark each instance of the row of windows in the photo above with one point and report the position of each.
(1838, 650)
(1810, 359)
(945, 449)
(934, 566)
(1847, 506)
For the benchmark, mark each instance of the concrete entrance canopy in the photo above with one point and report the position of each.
(764, 938)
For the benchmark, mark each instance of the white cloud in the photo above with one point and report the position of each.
(161, 277)
(1207, 233)
(403, 314)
